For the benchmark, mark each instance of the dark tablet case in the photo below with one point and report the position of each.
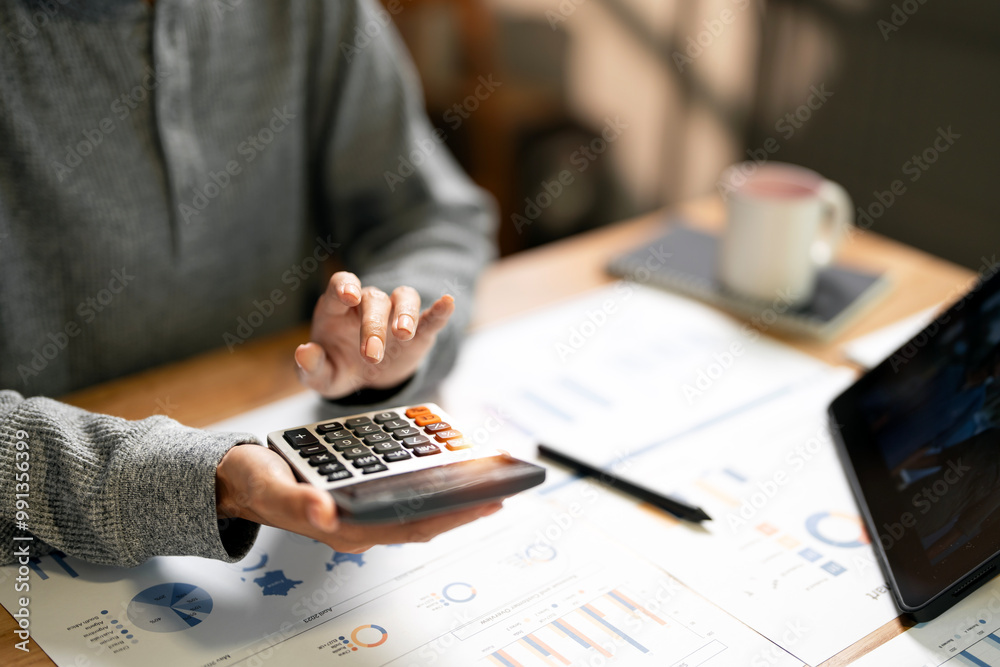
(842, 294)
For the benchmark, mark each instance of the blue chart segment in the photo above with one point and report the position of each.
(984, 653)
(169, 607)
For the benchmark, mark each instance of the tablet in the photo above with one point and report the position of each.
(919, 437)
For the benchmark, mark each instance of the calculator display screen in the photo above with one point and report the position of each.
(435, 490)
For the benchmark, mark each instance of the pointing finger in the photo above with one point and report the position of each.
(375, 308)
(405, 311)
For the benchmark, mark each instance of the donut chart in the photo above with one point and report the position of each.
(458, 592)
(837, 529)
(169, 607)
(377, 628)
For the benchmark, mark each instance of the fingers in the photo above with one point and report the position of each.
(353, 538)
(375, 309)
(405, 311)
(342, 293)
(436, 317)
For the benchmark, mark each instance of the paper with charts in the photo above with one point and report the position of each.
(967, 635)
(498, 594)
(680, 398)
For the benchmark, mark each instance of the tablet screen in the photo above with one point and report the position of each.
(923, 434)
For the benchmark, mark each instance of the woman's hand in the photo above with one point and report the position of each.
(255, 483)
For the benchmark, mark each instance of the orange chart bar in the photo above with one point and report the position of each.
(543, 649)
(621, 599)
(579, 637)
(503, 658)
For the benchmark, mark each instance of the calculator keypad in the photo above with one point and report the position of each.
(369, 445)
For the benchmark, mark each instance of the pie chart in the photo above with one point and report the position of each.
(169, 607)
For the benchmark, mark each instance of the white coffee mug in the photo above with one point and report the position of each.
(784, 223)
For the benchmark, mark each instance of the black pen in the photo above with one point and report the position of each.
(675, 507)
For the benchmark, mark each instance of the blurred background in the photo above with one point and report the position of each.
(640, 104)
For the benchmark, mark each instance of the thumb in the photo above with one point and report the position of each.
(315, 369)
(302, 508)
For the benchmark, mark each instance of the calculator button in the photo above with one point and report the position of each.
(323, 429)
(356, 453)
(386, 446)
(378, 467)
(384, 417)
(343, 473)
(345, 443)
(415, 441)
(310, 450)
(357, 421)
(424, 420)
(375, 437)
(458, 443)
(394, 424)
(321, 459)
(300, 437)
(398, 455)
(444, 436)
(330, 468)
(431, 429)
(337, 435)
(426, 450)
(363, 461)
(365, 429)
(418, 410)
(405, 432)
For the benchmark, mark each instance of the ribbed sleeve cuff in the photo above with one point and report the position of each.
(167, 496)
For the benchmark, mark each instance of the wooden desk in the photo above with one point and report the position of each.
(217, 385)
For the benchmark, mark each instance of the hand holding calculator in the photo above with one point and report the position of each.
(400, 464)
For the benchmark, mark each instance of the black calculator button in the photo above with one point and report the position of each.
(323, 429)
(345, 443)
(384, 417)
(394, 424)
(415, 441)
(396, 455)
(385, 446)
(378, 467)
(330, 468)
(426, 450)
(357, 421)
(372, 438)
(356, 453)
(337, 435)
(310, 450)
(321, 459)
(365, 429)
(405, 432)
(300, 437)
(343, 473)
(434, 428)
(363, 461)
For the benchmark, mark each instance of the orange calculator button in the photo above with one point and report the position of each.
(425, 419)
(458, 443)
(447, 434)
(418, 410)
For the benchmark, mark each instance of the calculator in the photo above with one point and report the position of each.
(400, 464)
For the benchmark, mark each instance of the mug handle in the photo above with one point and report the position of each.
(836, 224)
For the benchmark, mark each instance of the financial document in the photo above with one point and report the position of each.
(967, 635)
(530, 586)
(684, 400)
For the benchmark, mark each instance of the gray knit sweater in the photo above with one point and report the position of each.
(170, 181)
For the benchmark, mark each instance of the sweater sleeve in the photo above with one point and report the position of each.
(403, 210)
(109, 490)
